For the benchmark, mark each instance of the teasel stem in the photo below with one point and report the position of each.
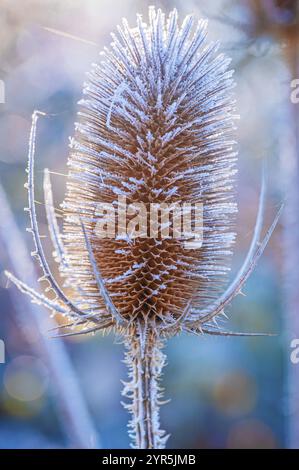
(145, 361)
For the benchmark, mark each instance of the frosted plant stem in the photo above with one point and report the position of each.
(145, 361)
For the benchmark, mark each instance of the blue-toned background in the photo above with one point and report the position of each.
(225, 392)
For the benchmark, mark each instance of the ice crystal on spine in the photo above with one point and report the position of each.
(155, 126)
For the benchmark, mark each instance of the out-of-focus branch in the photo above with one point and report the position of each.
(72, 410)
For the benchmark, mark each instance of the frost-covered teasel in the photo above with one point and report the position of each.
(155, 125)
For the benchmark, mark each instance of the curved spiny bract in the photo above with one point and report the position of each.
(155, 126)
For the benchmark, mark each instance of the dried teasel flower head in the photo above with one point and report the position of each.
(155, 127)
(155, 131)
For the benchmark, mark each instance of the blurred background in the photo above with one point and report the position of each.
(225, 392)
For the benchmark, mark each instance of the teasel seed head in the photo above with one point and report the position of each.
(155, 126)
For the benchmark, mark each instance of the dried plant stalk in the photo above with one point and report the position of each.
(155, 126)
(145, 361)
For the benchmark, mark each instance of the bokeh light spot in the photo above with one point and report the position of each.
(26, 379)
